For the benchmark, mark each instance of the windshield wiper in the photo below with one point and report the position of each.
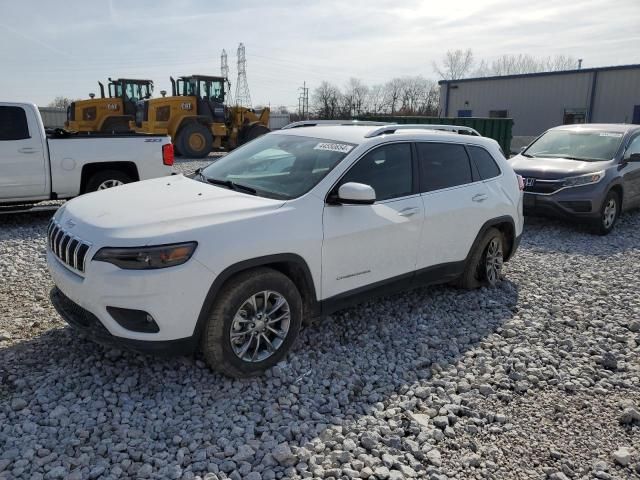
(527, 155)
(233, 185)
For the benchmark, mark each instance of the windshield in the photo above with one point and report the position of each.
(578, 145)
(134, 91)
(278, 166)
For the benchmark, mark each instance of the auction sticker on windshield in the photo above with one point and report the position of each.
(334, 147)
(610, 134)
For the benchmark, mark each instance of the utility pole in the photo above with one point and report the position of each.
(303, 101)
(224, 71)
(243, 97)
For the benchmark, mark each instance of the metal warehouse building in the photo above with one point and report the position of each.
(538, 101)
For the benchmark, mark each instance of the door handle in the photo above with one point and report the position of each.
(27, 150)
(480, 197)
(407, 212)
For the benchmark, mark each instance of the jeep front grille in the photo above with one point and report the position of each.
(69, 249)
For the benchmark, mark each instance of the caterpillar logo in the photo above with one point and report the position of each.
(113, 106)
(186, 106)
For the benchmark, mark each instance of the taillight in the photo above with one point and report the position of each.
(520, 182)
(167, 154)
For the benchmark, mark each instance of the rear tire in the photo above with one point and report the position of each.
(609, 213)
(107, 179)
(244, 334)
(485, 264)
(194, 140)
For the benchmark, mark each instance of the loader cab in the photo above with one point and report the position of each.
(131, 91)
(208, 91)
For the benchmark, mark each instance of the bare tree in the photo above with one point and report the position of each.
(456, 64)
(393, 93)
(326, 101)
(60, 102)
(376, 102)
(523, 63)
(354, 97)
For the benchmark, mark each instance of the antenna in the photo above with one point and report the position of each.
(243, 97)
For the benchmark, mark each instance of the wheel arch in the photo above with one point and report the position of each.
(507, 227)
(90, 169)
(289, 264)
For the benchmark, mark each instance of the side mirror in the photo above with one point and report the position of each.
(634, 157)
(353, 193)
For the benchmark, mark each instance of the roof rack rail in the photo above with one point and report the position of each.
(314, 123)
(462, 130)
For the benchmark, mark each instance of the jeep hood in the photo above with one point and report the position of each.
(554, 168)
(158, 207)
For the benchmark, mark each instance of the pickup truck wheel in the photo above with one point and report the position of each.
(253, 323)
(195, 140)
(107, 179)
(485, 264)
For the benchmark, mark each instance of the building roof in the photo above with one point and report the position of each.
(543, 74)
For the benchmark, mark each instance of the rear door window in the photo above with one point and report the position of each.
(13, 123)
(486, 165)
(443, 165)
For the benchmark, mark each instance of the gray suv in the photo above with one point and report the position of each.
(587, 172)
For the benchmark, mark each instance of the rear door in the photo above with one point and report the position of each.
(23, 169)
(454, 199)
(367, 244)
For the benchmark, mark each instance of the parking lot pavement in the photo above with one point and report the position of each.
(536, 378)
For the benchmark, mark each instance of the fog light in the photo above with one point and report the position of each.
(134, 320)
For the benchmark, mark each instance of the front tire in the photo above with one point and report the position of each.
(485, 264)
(609, 213)
(195, 140)
(253, 323)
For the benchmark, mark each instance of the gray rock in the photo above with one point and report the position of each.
(283, 455)
(622, 456)
(18, 403)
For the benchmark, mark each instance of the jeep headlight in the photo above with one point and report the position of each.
(587, 179)
(147, 258)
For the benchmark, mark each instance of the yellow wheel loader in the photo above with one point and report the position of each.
(196, 117)
(111, 114)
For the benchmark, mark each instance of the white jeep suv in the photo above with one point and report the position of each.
(293, 225)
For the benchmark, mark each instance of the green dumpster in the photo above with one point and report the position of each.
(497, 128)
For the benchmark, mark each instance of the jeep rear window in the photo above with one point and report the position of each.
(590, 145)
(279, 166)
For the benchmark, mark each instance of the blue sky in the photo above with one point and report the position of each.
(63, 48)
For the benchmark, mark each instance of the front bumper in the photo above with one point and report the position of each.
(89, 325)
(173, 297)
(561, 206)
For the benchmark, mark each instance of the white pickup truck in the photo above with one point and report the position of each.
(36, 165)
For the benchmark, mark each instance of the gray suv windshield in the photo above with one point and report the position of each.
(578, 145)
(277, 166)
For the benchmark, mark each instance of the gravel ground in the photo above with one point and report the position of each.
(537, 378)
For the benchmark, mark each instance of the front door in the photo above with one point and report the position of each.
(366, 244)
(23, 171)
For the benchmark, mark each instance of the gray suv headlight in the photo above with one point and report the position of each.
(147, 258)
(583, 179)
